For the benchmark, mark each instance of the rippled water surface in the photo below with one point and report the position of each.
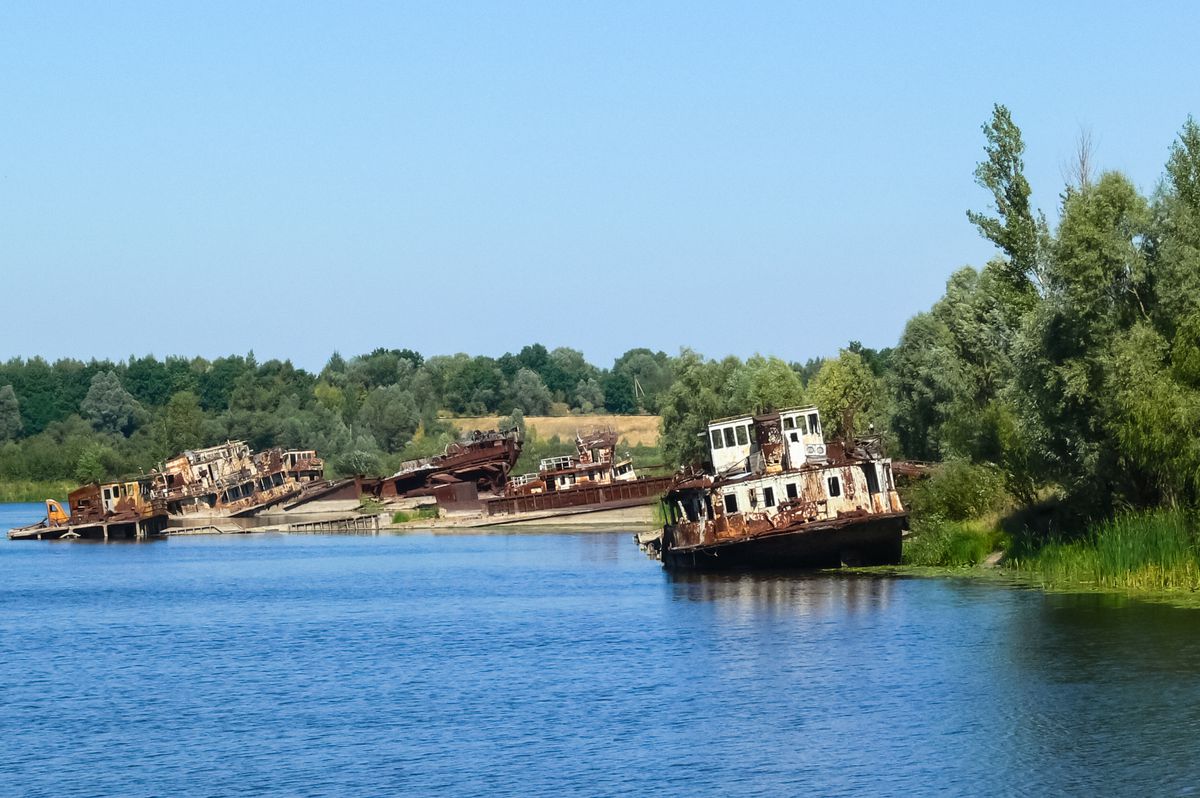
(554, 664)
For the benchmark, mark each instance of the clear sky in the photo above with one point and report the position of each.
(210, 178)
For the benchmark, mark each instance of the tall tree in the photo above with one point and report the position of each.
(109, 407)
(1019, 234)
(10, 414)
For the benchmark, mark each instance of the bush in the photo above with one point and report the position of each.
(938, 542)
(958, 490)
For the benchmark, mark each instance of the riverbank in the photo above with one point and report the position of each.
(1147, 554)
(28, 490)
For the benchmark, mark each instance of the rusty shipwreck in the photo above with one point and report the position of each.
(231, 480)
(778, 496)
(478, 461)
(594, 479)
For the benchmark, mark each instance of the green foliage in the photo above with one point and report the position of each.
(356, 462)
(390, 415)
(1156, 551)
(529, 394)
(419, 514)
(958, 490)
(698, 395)
(765, 383)
(846, 388)
(10, 414)
(110, 407)
(95, 464)
(943, 543)
(26, 490)
(1014, 229)
(182, 423)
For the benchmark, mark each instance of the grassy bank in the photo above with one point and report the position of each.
(29, 490)
(1147, 552)
(953, 544)
(1154, 552)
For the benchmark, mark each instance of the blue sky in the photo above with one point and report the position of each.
(296, 178)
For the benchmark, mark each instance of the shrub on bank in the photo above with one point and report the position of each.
(958, 490)
(943, 543)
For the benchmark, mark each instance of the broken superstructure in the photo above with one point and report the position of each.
(592, 479)
(232, 480)
(228, 480)
(779, 496)
(129, 509)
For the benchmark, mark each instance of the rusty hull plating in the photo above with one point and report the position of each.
(594, 478)
(778, 496)
(231, 480)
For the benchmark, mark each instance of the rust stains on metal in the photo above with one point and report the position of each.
(775, 478)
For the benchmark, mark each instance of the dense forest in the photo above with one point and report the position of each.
(1067, 368)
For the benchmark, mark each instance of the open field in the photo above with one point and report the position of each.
(639, 430)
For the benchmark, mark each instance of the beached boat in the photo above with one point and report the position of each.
(127, 510)
(231, 480)
(778, 496)
(594, 479)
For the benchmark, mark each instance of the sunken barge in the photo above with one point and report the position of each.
(479, 461)
(592, 480)
(779, 497)
(226, 481)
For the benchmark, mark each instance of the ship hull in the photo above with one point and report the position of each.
(874, 540)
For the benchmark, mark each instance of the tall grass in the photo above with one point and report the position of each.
(1155, 551)
(419, 514)
(29, 490)
(939, 542)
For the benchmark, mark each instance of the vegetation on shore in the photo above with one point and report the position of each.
(28, 490)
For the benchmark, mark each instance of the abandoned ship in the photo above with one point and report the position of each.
(221, 481)
(778, 496)
(592, 480)
(479, 461)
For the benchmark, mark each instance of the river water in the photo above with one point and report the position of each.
(555, 664)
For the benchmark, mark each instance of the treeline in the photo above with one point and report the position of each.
(102, 419)
(1071, 362)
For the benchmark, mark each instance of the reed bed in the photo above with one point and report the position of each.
(1156, 551)
(28, 490)
(942, 543)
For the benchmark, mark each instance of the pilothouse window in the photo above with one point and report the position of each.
(742, 438)
(835, 487)
(729, 436)
(716, 439)
(730, 503)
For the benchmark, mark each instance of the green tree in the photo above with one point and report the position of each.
(10, 414)
(95, 464)
(1176, 234)
(529, 394)
(109, 407)
(588, 395)
(765, 383)
(390, 415)
(182, 423)
(1015, 230)
(698, 395)
(846, 388)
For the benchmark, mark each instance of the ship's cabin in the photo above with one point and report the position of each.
(735, 444)
(731, 441)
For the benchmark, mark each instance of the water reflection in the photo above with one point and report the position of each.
(789, 591)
